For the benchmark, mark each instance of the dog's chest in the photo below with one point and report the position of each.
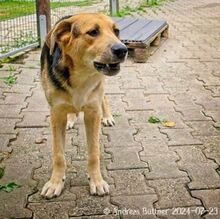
(88, 93)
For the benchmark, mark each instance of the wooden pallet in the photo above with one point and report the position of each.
(141, 35)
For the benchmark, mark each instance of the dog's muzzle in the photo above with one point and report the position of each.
(119, 52)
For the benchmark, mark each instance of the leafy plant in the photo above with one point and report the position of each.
(10, 80)
(9, 187)
(124, 11)
(5, 49)
(164, 122)
(116, 115)
(24, 39)
(11, 68)
(154, 119)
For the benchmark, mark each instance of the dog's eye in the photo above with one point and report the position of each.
(93, 33)
(116, 31)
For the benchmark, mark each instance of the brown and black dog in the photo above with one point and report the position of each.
(78, 53)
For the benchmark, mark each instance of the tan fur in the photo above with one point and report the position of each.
(85, 92)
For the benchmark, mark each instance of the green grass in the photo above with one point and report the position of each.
(14, 8)
(140, 8)
(10, 79)
(125, 11)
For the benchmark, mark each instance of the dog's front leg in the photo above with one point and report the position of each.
(92, 119)
(107, 119)
(55, 185)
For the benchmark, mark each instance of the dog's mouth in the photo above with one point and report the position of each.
(107, 69)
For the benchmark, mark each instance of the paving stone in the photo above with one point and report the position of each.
(152, 85)
(215, 115)
(154, 147)
(173, 193)
(130, 79)
(87, 204)
(19, 88)
(113, 89)
(27, 76)
(14, 99)
(120, 137)
(162, 166)
(192, 114)
(10, 111)
(209, 104)
(201, 171)
(21, 174)
(159, 102)
(139, 118)
(214, 89)
(149, 132)
(212, 149)
(209, 80)
(37, 102)
(135, 104)
(80, 178)
(116, 104)
(4, 142)
(140, 206)
(56, 210)
(130, 182)
(125, 158)
(180, 137)
(9, 125)
(33, 120)
(17, 199)
(121, 121)
(211, 201)
(204, 128)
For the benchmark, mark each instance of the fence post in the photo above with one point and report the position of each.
(43, 19)
(114, 7)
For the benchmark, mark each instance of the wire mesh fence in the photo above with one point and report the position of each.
(18, 29)
(18, 21)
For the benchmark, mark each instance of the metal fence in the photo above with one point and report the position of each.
(18, 21)
(18, 30)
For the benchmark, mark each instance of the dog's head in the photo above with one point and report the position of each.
(90, 41)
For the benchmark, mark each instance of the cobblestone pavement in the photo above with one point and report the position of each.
(171, 170)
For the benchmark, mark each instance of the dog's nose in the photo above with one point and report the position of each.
(119, 50)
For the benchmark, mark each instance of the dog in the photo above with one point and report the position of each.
(78, 53)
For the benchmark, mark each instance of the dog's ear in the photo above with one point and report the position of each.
(64, 29)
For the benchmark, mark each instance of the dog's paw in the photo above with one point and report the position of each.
(52, 189)
(108, 121)
(70, 125)
(99, 188)
(71, 119)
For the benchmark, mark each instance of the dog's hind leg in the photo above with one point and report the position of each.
(71, 119)
(92, 118)
(55, 185)
(107, 118)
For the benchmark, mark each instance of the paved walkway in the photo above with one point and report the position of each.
(153, 171)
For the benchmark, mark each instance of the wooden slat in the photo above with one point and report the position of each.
(126, 22)
(130, 32)
(150, 30)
